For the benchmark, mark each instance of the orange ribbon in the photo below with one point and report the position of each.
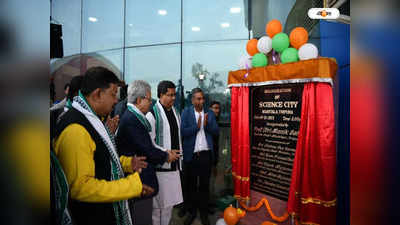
(264, 201)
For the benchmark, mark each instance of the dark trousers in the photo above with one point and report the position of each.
(197, 179)
(183, 183)
(141, 211)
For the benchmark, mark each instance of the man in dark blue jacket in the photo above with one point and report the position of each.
(198, 126)
(133, 138)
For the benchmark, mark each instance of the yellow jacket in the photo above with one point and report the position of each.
(75, 150)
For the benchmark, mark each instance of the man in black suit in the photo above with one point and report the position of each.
(133, 138)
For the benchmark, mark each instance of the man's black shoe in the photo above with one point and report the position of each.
(204, 220)
(189, 220)
(181, 212)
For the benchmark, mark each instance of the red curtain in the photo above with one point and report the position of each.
(312, 196)
(240, 142)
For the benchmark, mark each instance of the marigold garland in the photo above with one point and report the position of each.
(264, 201)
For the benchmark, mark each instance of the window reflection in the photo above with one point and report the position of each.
(213, 20)
(68, 13)
(110, 59)
(152, 22)
(206, 65)
(154, 64)
(103, 25)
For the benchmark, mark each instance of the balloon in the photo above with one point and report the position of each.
(298, 37)
(259, 60)
(273, 27)
(308, 51)
(221, 221)
(230, 215)
(245, 62)
(289, 55)
(280, 42)
(251, 47)
(264, 44)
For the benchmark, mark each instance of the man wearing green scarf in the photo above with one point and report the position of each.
(133, 138)
(99, 188)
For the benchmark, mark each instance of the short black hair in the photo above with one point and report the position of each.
(97, 77)
(123, 92)
(215, 103)
(196, 90)
(66, 86)
(74, 87)
(163, 86)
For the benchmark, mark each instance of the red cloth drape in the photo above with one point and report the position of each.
(240, 142)
(312, 196)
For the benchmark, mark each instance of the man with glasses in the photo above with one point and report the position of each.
(133, 138)
(165, 131)
(198, 125)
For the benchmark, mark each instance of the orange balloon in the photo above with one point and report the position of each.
(230, 215)
(273, 27)
(298, 37)
(251, 47)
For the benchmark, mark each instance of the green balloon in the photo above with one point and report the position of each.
(259, 60)
(289, 55)
(280, 42)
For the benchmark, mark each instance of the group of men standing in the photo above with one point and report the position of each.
(127, 170)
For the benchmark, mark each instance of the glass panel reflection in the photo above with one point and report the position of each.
(103, 25)
(154, 64)
(68, 13)
(213, 20)
(152, 22)
(206, 65)
(112, 60)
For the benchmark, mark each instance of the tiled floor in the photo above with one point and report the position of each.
(221, 184)
(176, 220)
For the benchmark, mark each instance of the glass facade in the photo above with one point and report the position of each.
(153, 64)
(152, 22)
(158, 40)
(102, 25)
(192, 43)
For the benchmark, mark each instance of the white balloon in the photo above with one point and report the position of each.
(243, 61)
(308, 51)
(221, 221)
(264, 44)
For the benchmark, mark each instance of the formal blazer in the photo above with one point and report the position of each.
(133, 139)
(189, 131)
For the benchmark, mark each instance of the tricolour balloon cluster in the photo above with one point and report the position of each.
(282, 48)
